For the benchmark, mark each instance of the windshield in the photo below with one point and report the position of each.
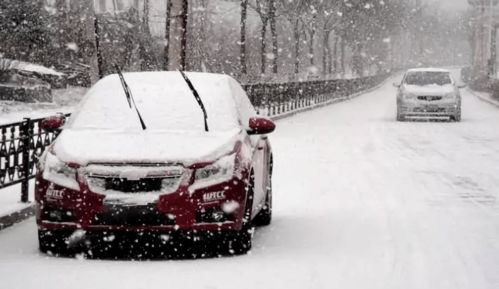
(428, 78)
(164, 100)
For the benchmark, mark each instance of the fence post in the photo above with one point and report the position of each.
(25, 140)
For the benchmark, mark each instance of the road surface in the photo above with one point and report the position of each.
(361, 202)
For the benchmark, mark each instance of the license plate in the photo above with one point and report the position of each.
(432, 108)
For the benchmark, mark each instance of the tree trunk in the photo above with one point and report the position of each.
(273, 30)
(297, 46)
(183, 41)
(342, 59)
(263, 47)
(334, 62)
(145, 20)
(311, 51)
(242, 44)
(115, 8)
(311, 48)
(325, 52)
(86, 9)
(178, 35)
(166, 64)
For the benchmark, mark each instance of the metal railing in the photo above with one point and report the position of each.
(272, 99)
(21, 143)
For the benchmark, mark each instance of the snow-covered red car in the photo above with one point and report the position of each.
(162, 152)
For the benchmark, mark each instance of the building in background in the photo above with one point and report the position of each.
(484, 28)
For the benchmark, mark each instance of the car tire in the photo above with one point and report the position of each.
(400, 117)
(456, 117)
(240, 242)
(264, 217)
(53, 242)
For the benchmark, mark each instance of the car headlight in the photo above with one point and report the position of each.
(409, 96)
(59, 173)
(218, 172)
(451, 95)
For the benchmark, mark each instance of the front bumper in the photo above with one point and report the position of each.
(428, 108)
(180, 211)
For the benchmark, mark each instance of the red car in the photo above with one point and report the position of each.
(163, 152)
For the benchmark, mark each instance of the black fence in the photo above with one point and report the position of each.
(273, 99)
(21, 143)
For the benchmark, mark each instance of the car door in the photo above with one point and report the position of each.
(260, 169)
(258, 144)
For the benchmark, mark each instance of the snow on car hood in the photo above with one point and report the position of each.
(100, 146)
(429, 89)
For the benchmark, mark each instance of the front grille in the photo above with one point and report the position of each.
(429, 98)
(126, 186)
(116, 215)
(133, 179)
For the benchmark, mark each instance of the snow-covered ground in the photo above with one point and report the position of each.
(361, 201)
(10, 199)
(485, 96)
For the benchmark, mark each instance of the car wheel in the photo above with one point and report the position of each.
(400, 117)
(240, 242)
(456, 117)
(264, 217)
(53, 242)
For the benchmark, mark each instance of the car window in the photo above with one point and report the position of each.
(164, 100)
(244, 107)
(428, 78)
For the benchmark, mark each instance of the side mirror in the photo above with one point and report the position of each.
(260, 126)
(53, 123)
(396, 84)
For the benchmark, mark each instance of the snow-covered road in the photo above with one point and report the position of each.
(361, 202)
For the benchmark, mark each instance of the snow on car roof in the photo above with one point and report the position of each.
(164, 100)
(429, 69)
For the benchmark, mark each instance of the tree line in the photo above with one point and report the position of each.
(254, 40)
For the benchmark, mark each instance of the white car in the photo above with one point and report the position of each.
(428, 92)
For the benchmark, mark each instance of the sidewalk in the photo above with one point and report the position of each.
(11, 209)
(485, 96)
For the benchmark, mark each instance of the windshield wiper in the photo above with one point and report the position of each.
(198, 99)
(129, 96)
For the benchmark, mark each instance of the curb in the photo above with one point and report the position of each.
(16, 217)
(484, 99)
(28, 212)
